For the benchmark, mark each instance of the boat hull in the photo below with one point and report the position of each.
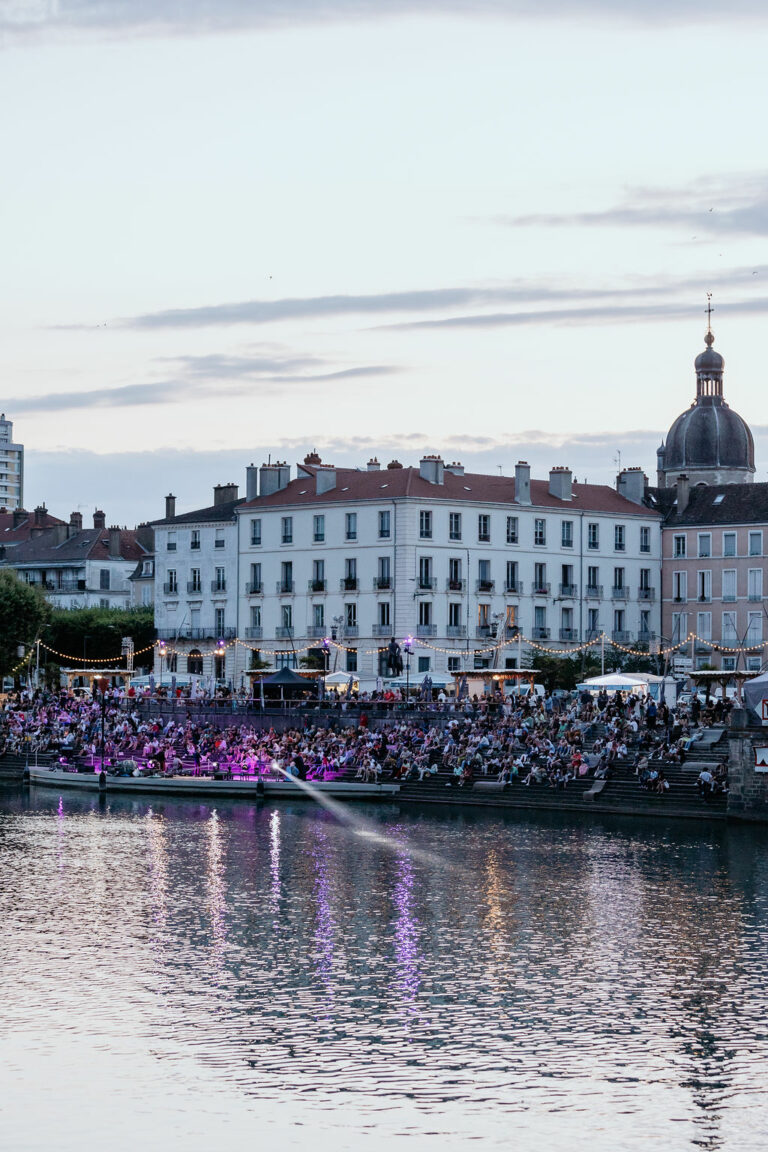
(204, 786)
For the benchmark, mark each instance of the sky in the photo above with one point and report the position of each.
(245, 228)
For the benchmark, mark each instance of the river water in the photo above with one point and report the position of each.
(179, 975)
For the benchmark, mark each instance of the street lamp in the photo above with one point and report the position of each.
(407, 648)
(100, 683)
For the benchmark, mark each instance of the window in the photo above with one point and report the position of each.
(704, 625)
(679, 626)
(705, 544)
(729, 584)
(220, 580)
(218, 621)
(540, 578)
(255, 532)
(679, 585)
(104, 603)
(454, 663)
(219, 539)
(384, 577)
(350, 614)
(512, 530)
(566, 533)
(171, 542)
(679, 547)
(286, 616)
(593, 578)
(730, 635)
(755, 584)
(619, 617)
(704, 586)
(618, 580)
(593, 620)
(645, 624)
(728, 663)
(384, 525)
(318, 575)
(484, 529)
(352, 660)
(512, 585)
(454, 614)
(540, 532)
(286, 530)
(755, 543)
(173, 582)
(645, 579)
(425, 525)
(194, 541)
(286, 577)
(256, 616)
(318, 529)
(350, 526)
(104, 579)
(425, 572)
(540, 621)
(454, 574)
(255, 578)
(645, 539)
(483, 615)
(593, 536)
(454, 526)
(350, 574)
(425, 613)
(424, 664)
(729, 543)
(196, 584)
(384, 614)
(619, 535)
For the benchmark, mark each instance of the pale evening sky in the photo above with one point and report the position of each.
(367, 226)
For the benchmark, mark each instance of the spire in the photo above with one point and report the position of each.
(709, 366)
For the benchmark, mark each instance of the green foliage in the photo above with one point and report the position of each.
(24, 612)
(257, 663)
(96, 633)
(314, 660)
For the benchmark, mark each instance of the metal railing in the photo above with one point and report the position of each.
(382, 583)
(455, 585)
(254, 588)
(593, 592)
(541, 633)
(254, 633)
(568, 591)
(426, 629)
(619, 592)
(285, 587)
(485, 585)
(646, 593)
(540, 589)
(317, 586)
(456, 631)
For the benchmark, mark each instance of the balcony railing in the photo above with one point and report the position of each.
(455, 585)
(513, 588)
(593, 633)
(569, 634)
(317, 585)
(485, 585)
(194, 586)
(426, 629)
(568, 591)
(381, 630)
(483, 631)
(65, 586)
(283, 633)
(254, 633)
(254, 588)
(541, 633)
(593, 592)
(540, 589)
(427, 583)
(351, 630)
(170, 588)
(456, 631)
(284, 587)
(187, 633)
(349, 584)
(646, 593)
(382, 583)
(218, 586)
(619, 592)
(645, 637)
(621, 636)
(315, 630)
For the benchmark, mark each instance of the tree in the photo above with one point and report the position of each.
(96, 633)
(24, 612)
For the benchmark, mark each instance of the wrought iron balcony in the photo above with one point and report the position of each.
(485, 585)
(620, 592)
(218, 587)
(455, 585)
(170, 588)
(382, 583)
(646, 593)
(593, 592)
(621, 636)
(283, 633)
(195, 586)
(427, 583)
(483, 631)
(349, 584)
(381, 630)
(317, 585)
(540, 589)
(254, 588)
(456, 631)
(541, 633)
(568, 591)
(285, 587)
(254, 633)
(569, 634)
(315, 630)
(426, 629)
(351, 630)
(513, 588)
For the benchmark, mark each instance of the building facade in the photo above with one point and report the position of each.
(11, 468)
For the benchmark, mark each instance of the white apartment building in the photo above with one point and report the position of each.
(11, 468)
(457, 560)
(196, 585)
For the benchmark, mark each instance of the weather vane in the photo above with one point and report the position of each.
(709, 311)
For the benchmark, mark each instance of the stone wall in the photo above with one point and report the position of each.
(748, 794)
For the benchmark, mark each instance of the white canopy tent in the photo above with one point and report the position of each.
(615, 682)
(755, 693)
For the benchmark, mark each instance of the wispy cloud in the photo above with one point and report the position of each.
(708, 207)
(143, 17)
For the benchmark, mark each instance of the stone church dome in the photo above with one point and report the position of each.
(710, 442)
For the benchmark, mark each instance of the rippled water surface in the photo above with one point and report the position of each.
(175, 975)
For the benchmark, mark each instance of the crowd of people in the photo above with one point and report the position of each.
(534, 740)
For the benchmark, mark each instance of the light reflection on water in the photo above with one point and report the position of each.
(266, 969)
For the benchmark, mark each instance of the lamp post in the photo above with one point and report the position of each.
(100, 684)
(407, 646)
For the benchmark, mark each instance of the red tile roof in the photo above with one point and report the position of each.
(399, 483)
(11, 535)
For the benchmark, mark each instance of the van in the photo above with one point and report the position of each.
(524, 689)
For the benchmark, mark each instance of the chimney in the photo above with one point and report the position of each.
(431, 469)
(99, 520)
(273, 478)
(455, 469)
(561, 483)
(19, 516)
(373, 465)
(683, 489)
(251, 482)
(393, 464)
(170, 506)
(60, 533)
(312, 458)
(40, 513)
(522, 482)
(76, 521)
(325, 479)
(145, 536)
(224, 494)
(631, 484)
(114, 543)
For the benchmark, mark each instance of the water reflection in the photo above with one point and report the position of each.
(563, 981)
